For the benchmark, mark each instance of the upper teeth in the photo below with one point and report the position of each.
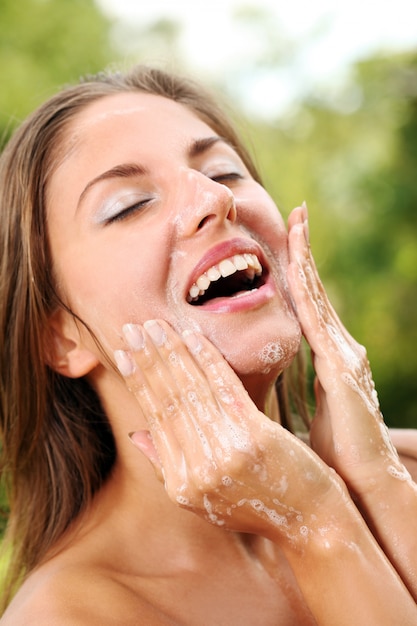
(227, 267)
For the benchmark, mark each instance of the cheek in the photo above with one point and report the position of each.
(260, 217)
(266, 346)
(258, 213)
(108, 294)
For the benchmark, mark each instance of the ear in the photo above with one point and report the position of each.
(66, 351)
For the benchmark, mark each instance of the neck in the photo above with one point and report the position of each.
(133, 509)
(263, 394)
(133, 502)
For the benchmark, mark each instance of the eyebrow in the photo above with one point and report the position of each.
(130, 170)
(199, 146)
(126, 170)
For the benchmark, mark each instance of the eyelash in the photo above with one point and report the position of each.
(125, 213)
(230, 176)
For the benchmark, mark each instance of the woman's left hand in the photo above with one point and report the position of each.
(348, 431)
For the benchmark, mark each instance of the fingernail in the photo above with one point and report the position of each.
(134, 336)
(156, 332)
(132, 437)
(124, 362)
(305, 222)
(137, 436)
(191, 341)
(306, 231)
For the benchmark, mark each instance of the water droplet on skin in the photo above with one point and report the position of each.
(272, 353)
(182, 500)
(257, 505)
(173, 359)
(399, 473)
(213, 518)
(351, 359)
(283, 485)
(225, 396)
(278, 520)
(370, 400)
(192, 397)
(219, 453)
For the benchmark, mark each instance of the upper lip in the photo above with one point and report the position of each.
(221, 252)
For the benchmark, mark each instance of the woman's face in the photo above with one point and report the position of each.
(145, 212)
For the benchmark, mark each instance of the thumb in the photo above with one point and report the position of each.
(321, 432)
(142, 439)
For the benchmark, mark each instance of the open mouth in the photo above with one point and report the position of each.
(232, 277)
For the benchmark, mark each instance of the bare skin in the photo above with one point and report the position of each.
(224, 517)
(176, 575)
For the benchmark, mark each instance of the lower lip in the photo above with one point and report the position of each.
(244, 301)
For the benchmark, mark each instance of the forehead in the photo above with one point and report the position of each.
(122, 128)
(149, 115)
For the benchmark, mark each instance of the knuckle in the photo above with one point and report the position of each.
(147, 362)
(206, 477)
(137, 386)
(170, 403)
(206, 356)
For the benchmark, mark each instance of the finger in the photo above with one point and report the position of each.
(165, 442)
(170, 384)
(226, 386)
(319, 321)
(340, 362)
(215, 388)
(142, 439)
(224, 417)
(299, 215)
(321, 431)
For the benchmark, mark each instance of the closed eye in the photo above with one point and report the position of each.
(127, 212)
(228, 177)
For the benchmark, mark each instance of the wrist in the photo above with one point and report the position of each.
(331, 519)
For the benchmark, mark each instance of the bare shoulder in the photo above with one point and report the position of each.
(405, 441)
(79, 597)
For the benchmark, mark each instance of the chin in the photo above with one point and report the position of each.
(269, 361)
(256, 351)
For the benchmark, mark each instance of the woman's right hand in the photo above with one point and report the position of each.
(223, 459)
(219, 455)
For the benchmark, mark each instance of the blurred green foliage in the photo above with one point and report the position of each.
(45, 44)
(353, 157)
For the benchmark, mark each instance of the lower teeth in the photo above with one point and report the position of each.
(243, 293)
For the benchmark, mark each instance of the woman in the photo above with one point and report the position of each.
(158, 293)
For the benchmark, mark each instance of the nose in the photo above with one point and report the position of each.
(202, 202)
